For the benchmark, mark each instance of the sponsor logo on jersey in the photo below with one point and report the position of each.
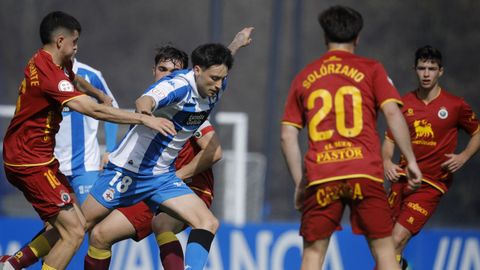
(109, 194)
(443, 113)
(65, 86)
(339, 151)
(423, 129)
(196, 119)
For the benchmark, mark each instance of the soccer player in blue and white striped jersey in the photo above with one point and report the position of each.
(142, 167)
(77, 148)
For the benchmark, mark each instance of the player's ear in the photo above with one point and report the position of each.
(59, 39)
(197, 69)
(440, 73)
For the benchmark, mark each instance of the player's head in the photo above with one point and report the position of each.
(341, 24)
(167, 60)
(62, 31)
(211, 63)
(428, 66)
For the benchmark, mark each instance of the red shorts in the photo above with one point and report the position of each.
(140, 215)
(324, 204)
(413, 209)
(45, 187)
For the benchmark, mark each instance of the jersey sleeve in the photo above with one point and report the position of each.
(167, 92)
(383, 87)
(204, 129)
(99, 82)
(293, 114)
(57, 83)
(468, 120)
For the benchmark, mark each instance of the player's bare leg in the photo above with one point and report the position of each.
(383, 252)
(191, 209)
(94, 212)
(71, 231)
(171, 254)
(314, 254)
(401, 236)
(114, 228)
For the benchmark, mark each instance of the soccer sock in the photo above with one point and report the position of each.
(30, 254)
(171, 253)
(198, 246)
(97, 259)
(47, 267)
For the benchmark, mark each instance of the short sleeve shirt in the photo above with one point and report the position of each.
(46, 87)
(337, 98)
(434, 132)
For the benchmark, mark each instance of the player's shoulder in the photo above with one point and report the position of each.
(449, 95)
(410, 95)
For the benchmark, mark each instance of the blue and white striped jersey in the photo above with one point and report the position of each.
(147, 152)
(77, 147)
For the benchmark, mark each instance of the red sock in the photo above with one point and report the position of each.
(23, 258)
(96, 264)
(97, 259)
(171, 254)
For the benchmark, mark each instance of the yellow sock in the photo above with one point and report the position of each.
(165, 238)
(40, 246)
(99, 254)
(46, 267)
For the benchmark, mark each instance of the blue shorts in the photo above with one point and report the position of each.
(82, 183)
(119, 189)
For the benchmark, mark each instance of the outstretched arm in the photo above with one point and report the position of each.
(144, 105)
(90, 90)
(87, 106)
(242, 39)
(398, 126)
(210, 153)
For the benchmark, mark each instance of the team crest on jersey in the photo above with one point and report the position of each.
(443, 113)
(108, 195)
(65, 197)
(423, 129)
(410, 112)
(65, 86)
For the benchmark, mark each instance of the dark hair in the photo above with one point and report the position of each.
(341, 24)
(169, 53)
(55, 20)
(211, 54)
(428, 53)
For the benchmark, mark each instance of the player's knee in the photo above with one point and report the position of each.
(209, 223)
(74, 235)
(98, 239)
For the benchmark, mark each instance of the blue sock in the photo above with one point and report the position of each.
(198, 246)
